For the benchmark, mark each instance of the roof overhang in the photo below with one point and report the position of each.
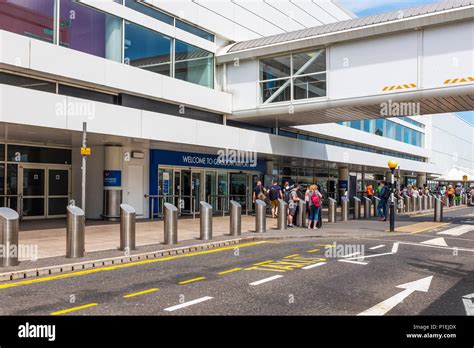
(399, 25)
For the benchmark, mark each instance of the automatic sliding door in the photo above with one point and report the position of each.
(186, 191)
(211, 190)
(34, 192)
(58, 191)
(238, 189)
(222, 191)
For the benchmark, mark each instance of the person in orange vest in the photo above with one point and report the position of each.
(450, 193)
(370, 191)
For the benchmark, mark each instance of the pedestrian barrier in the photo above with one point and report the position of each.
(414, 203)
(445, 200)
(376, 204)
(424, 203)
(170, 224)
(332, 210)
(367, 207)
(438, 210)
(344, 209)
(205, 221)
(464, 199)
(261, 216)
(301, 218)
(235, 218)
(357, 207)
(400, 202)
(407, 203)
(127, 227)
(9, 226)
(282, 221)
(429, 204)
(75, 227)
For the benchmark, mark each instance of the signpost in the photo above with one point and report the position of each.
(392, 165)
(85, 151)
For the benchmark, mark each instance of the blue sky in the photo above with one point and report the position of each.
(371, 7)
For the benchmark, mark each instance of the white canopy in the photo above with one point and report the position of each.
(456, 174)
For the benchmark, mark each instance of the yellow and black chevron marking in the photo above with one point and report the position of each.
(459, 80)
(398, 87)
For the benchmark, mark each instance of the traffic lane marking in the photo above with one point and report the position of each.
(265, 280)
(315, 265)
(457, 231)
(187, 304)
(140, 293)
(230, 270)
(291, 256)
(355, 262)
(284, 265)
(313, 250)
(191, 280)
(73, 309)
(126, 265)
(377, 247)
(419, 227)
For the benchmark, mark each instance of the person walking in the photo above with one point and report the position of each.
(274, 193)
(450, 193)
(370, 192)
(259, 191)
(382, 206)
(314, 203)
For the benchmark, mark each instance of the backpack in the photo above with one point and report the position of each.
(273, 193)
(315, 199)
(386, 194)
(286, 197)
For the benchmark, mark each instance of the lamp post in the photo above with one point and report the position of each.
(392, 165)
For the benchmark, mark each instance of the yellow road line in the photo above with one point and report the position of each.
(313, 250)
(325, 245)
(125, 265)
(230, 270)
(73, 309)
(430, 228)
(262, 263)
(469, 215)
(191, 280)
(140, 293)
(290, 256)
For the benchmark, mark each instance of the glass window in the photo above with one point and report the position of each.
(379, 126)
(194, 30)
(282, 87)
(35, 154)
(309, 62)
(276, 67)
(390, 129)
(407, 136)
(87, 94)
(369, 126)
(31, 18)
(415, 138)
(27, 82)
(355, 124)
(137, 6)
(90, 31)
(398, 132)
(310, 86)
(194, 64)
(147, 49)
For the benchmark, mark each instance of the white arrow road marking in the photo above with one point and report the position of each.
(468, 304)
(436, 241)
(314, 265)
(269, 279)
(189, 303)
(457, 231)
(395, 247)
(362, 257)
(377, 247)
(353, 254)
(385, 306)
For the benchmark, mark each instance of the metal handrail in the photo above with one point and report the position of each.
(226, 199)
(20, 203)
(173, 197)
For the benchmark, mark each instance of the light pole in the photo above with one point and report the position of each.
(392, 165)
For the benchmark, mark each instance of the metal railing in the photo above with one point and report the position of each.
(225, 201)
(7, 204)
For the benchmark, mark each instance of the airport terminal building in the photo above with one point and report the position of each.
(195, 100)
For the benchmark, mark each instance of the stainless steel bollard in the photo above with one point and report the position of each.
(423, 200)
(445, 200)
(75, 227)
(235, 218)
(127, 227)
(9, 226)
(170, 224)
(356, 212)
(438, 210)
(407, 203)
(344, 209)
(464, 199)
(301, 218)
(367, 207)
(282, 220)
(205, 221)
(428, 201)
(332, 210)
(376, 204)
(414, 203)
(261, 216)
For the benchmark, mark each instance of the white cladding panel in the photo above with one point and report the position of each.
(243, 85)
(448, 53)
(365, 67)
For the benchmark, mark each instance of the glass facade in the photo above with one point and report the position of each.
(293, 77)
(389, 129)
(147, 49)
(31, 18)
(194, 64)
(85, 29)
(90, 31)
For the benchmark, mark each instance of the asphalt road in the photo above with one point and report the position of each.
(307, 276)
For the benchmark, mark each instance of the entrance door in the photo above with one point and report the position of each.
(186, 191)
(34, 192)
(238, 188)
(135, 188)
(197, 189)
(45, 191)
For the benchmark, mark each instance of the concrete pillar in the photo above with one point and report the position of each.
(112, 182)
(421, 180)
(269, 168)
(343, 179)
